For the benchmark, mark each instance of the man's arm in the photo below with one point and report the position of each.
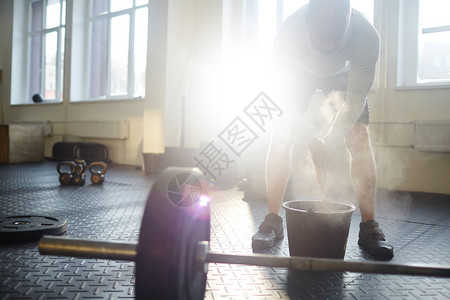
(360, 80)
(289, 88)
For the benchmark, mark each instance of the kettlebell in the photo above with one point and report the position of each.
(79, 177)
(66, 177)
(98, 176)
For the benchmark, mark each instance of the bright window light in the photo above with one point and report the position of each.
(434, 13)
(248, 49)
(434, 42)
(366, 7)
(291, 6)
(118, 49)
(50, 65)
(46, 49)
(140, 50)
(53, 13)
(119, 54)
(118, 5)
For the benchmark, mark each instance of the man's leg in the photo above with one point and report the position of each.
(294, 92)
(278, 166)
(363, 171)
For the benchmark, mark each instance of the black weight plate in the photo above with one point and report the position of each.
(29, 228)
(170, 232)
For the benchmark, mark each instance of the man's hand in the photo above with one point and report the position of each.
(320, 159)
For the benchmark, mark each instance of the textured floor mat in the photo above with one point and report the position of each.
(418, 227)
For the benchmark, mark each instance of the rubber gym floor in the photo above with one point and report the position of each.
(418, 225)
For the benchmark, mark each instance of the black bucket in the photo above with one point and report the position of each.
(318, 228)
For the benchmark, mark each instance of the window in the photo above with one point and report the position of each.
(46, 48)
(288, 7)
(106, 58)
(117, 49)
(434, 41)
(424, 43)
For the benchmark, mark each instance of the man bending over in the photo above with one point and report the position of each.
(325, 45)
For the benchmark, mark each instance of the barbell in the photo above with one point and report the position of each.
(172, 254)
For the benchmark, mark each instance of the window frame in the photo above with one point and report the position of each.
(42, 33)
(131, 43)
(71, 74)
(408, 38)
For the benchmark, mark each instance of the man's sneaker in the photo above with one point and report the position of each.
(270, 231)
(373, 242)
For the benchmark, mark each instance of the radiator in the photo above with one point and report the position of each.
(432, 136)
(89, 129)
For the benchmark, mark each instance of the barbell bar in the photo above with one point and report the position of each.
(50, 245)
(172, 254)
